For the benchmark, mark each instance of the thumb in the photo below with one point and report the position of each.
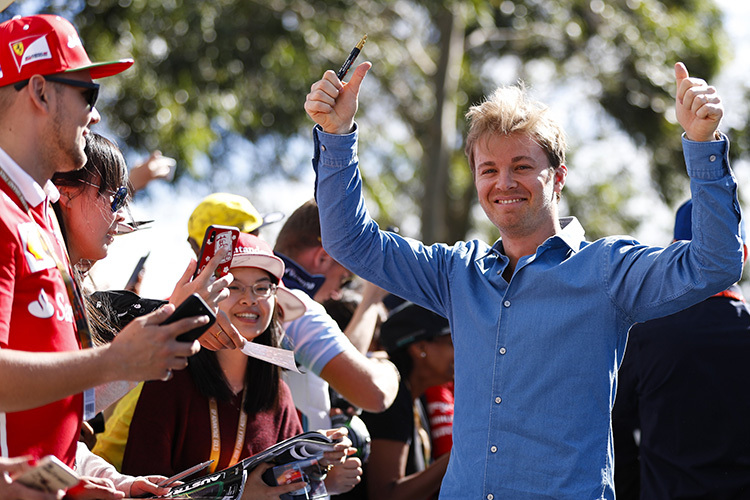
(359, 74)
(680, 72)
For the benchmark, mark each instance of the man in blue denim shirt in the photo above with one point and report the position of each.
(539, 319)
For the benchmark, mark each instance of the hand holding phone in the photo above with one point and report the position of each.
(216, 239)
(194, 305)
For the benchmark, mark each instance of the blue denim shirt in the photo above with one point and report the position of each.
(536, 358)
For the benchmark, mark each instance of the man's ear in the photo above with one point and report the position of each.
(561, 174)
(39, 91)
(321, 260)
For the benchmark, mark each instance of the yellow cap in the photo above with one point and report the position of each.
(223, 209)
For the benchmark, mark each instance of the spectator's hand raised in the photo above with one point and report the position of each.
(699, 108)
(333, 104)
(211, 290)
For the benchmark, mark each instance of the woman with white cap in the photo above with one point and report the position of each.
(224, 396)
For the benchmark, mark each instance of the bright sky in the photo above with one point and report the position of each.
(166, 240)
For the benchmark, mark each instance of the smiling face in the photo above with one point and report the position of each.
(251, 315)
(516, 185)
(89, 221)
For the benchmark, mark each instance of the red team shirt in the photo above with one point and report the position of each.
(35, 315)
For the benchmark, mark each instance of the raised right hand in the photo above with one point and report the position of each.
(333, 104)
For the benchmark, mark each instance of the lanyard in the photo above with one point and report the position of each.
(74, 293)
(239, 442)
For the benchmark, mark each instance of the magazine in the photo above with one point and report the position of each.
(305, 449)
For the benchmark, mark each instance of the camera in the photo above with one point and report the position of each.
(358, 433)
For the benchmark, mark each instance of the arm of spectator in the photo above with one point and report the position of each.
(94, 488)
(10, 469)
(386, 468)
(154, 167)
(92, 465)
(361, 327)
(144, 350)
(369, 383)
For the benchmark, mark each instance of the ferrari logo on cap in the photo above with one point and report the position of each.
(18, 48)
(30, 49)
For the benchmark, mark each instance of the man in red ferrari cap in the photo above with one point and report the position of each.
(47, 363)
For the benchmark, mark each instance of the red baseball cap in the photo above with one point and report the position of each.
(44, 45)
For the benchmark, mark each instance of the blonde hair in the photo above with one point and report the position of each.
(510, 110)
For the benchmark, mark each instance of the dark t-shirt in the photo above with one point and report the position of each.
(683, 382)
(395, 424)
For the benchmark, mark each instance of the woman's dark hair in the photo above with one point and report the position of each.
(262, 379)
(106, 168)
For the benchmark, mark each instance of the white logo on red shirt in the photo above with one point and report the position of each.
(34, 248)
(42, 308)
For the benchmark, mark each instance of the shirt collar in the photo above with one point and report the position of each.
(30, 189)
(296, 278)
(571, 234)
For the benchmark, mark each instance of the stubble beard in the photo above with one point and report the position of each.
(65, 155)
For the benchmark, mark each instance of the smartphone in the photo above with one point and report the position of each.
(192, 306)
(133, 280)
(184, 474)
(49, 474)
(216, 239)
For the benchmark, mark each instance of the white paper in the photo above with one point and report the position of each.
(280, 357)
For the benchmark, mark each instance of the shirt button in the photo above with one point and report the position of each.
(490, 496)
(502, 350)
(493, 449)
(506, 303)
(498, 400)
(712, 158)
(322, 148)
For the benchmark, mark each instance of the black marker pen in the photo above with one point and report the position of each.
(350, 60)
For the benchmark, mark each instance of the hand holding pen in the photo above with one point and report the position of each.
(350, 60)
(331, 103)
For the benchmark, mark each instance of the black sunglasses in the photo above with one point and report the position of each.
(91, 94)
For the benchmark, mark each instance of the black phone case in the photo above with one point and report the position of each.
(192, 306)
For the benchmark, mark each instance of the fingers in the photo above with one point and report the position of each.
(222, 258)
(222, 335)
(355, 82)
(188, 274)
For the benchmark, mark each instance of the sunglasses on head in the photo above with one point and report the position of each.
(91, 94)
